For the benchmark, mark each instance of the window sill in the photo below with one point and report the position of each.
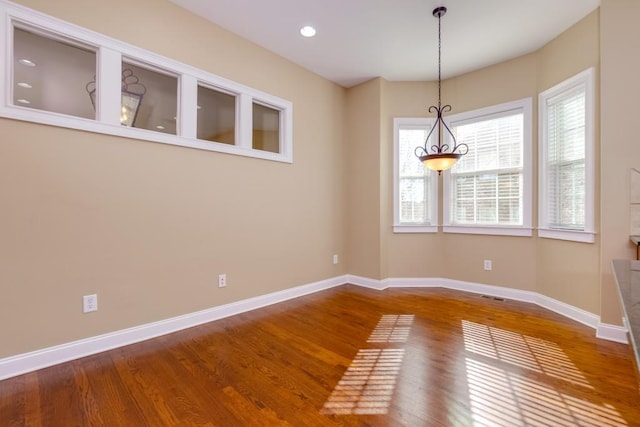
(574, 236)
(415, 228)
(78, 123)
(489, 230)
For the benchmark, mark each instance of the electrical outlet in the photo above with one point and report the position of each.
(222, 280)
(488, 265)
(89, 303)
(335, 259)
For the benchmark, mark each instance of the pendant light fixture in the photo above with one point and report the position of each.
(442, 156)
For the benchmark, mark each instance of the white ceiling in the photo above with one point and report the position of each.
(396, 40)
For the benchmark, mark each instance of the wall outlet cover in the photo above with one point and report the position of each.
(90, 303)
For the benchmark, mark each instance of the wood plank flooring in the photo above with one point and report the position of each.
(347, 356)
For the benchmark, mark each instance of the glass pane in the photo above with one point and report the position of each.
(487, 211)
(509, 211)
(486, 186)
(566, 142)
(511, 135)
(266, 128)
(567, 196)
(566, 127)
(509, 185)
(493, 144)
(464, 212)
(408, 140)
(52, 75)
(464, 187)
(149, 99)
(412, 201)
(415, 190)
(216, 116)
(486, 198)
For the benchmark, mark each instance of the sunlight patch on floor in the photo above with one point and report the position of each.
(502, 398)
(368, 384)
(526, 352)
(502, 394)
(392, 328)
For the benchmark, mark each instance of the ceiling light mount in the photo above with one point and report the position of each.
(439, 12)
(441, 156)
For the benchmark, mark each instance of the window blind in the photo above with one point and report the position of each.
(414, 189)
(487, 183)
(565, 160)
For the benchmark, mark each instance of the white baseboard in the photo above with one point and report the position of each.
(490, 290)
(574, 313)
(28, 362)
(407, 282)
(609, 332)
(365, 282)
(604, 331)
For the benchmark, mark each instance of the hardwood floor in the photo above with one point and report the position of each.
(351, 357)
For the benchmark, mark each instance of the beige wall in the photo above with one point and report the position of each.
(148, 226)
(620, 86)
(363, 179)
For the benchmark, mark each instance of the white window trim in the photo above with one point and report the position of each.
(571, 235)
(418, 123)
(489, 230)
(109, 53)
(587, 79)
(525, 105)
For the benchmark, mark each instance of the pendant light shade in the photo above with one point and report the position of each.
(441, 156)
(440, 162)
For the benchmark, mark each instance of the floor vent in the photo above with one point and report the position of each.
(493, 298)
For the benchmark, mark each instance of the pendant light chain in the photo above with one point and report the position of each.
(439, 61)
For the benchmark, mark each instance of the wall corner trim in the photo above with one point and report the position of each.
(27, 362)
(365, 282)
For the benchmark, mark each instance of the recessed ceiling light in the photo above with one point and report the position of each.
(27, 62)
(308, 31)
(160, 127)
(25, 85)
(23, 101)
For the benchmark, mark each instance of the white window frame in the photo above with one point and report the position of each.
(525, 107)
(398, 227)
(110, 53)
(584, 79)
